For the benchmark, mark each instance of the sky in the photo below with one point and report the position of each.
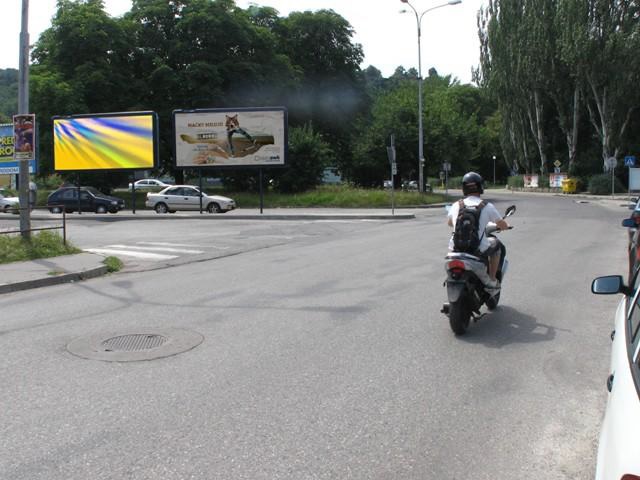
(389, 38)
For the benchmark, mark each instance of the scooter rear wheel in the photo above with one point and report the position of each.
(492, 302)
(459, 315)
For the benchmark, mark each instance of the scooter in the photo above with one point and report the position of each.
(466, 279)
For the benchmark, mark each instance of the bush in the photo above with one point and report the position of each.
(601, 185)
(515, 181)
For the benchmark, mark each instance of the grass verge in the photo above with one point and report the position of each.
(328, 196)
(114, 264)
(42, 245)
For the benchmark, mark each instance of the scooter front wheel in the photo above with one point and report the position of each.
(459, 315)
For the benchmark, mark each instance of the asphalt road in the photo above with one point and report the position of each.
(324, 355)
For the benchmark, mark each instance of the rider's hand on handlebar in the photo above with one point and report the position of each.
(502, 224)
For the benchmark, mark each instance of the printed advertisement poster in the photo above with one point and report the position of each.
(8, 164)
(114, 141)
(555, 179)
(530, 181)
(23, 129)
(230, 138)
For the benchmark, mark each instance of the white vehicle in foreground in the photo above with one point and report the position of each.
(187, 197)
(8, 204)
(619, 446)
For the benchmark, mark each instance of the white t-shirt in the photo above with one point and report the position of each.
(489, 214)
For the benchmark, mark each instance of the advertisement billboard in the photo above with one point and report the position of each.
(254, 137)
(111, 141)
(555, 179)
(8, 164)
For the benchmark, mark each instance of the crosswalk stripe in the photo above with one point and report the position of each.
(155, 249)
(129, 253)
(160, 244)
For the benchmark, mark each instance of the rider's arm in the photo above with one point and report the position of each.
(502, 224)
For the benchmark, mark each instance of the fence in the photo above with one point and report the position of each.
(62, 227)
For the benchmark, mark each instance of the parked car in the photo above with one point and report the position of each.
(187, 197)
(633, 227)
(8, 203)
(619, 444)
(149, 184)
(90, 200)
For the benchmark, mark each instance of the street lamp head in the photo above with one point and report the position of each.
(404, 1)
(450, 2)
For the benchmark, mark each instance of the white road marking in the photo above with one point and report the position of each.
(181, 245)
(129, 253)
(156, 249)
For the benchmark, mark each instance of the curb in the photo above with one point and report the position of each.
(54, 280)
(266, 216)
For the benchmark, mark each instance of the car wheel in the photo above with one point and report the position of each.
(55, 210)
(161, 208)
(101, 209)
(213, 207)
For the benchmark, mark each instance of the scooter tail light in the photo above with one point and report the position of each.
(456, 265)
(629, 476)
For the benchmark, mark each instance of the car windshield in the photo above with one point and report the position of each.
(94, 191)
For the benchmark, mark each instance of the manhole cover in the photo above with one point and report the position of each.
(133, 343)
(134, 346)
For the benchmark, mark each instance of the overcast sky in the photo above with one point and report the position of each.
(389, 38)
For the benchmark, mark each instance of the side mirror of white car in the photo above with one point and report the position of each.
(610, 285)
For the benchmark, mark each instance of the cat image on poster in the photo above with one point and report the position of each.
(233, 126)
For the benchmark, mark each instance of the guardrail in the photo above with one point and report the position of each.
(63, 227)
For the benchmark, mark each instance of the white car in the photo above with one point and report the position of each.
(619, 445)
(149, 184)
(187, 197)
(8, 204)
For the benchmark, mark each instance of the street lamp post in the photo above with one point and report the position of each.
(421, 160)
(494, 170)
(23, 108)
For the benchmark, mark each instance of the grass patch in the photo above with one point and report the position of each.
(42, 245)
(114, 264)
(335, 197)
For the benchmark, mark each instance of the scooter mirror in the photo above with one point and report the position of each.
(510, 211)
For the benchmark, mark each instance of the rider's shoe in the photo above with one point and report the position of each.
(492, 287)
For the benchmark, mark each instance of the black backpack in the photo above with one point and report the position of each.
(466, 236)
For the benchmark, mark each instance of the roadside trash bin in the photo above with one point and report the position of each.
(569, 185)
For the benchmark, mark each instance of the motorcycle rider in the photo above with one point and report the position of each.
(472, 189)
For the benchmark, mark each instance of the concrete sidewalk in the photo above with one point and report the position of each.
(50, 271)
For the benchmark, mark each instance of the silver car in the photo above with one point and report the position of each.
(187, 197)
(7, 203)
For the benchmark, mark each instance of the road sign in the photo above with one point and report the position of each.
(394, 168)
(611, 162)
(391, 154)
(557, 163)
(630, 161)
(556, 170)
(446, 167)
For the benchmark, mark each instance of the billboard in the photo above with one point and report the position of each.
(230, 137)
(8, 164)
(111, 141)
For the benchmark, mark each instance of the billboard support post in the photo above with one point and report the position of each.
(200, 185)
(133, 192)
(261, 191)
(78, 188)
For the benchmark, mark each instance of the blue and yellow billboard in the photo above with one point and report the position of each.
(113, 141)
(8, 164)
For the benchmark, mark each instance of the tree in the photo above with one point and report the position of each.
(309, 155)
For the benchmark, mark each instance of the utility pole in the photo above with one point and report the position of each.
(23, 108)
